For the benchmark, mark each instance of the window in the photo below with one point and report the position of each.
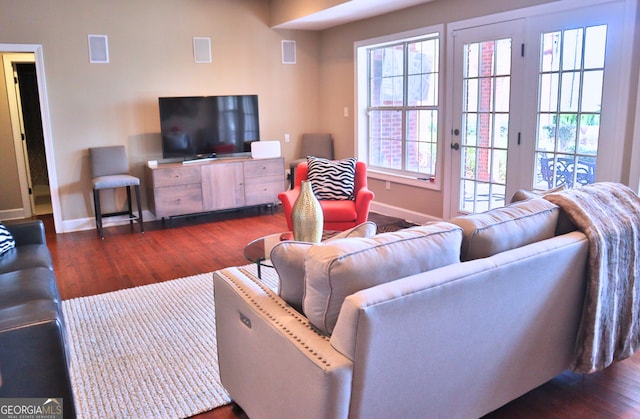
(399, 129)
(570, 89)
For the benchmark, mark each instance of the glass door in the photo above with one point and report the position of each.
(535, 106)
(570, 91)
(486, 130)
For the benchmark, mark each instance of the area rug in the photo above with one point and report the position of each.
(387, 223)
(147, 352)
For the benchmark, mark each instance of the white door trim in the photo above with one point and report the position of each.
(16, 126)
(513, 31)
(634, 175)
(46, 124)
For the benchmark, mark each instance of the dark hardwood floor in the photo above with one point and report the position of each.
(86, 265)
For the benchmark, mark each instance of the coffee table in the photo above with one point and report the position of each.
(258, 250)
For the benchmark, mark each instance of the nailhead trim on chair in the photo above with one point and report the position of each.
(290, 311)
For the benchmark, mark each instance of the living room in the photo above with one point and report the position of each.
(151, 55)
(96, 104)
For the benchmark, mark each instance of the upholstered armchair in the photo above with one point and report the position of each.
(338, 214)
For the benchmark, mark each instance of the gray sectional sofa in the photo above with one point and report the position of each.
(450, 319)
(33, 342)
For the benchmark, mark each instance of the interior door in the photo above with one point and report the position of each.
(17, 125)
(35, 153)
(486, 119)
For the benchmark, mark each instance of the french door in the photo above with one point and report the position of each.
(532, 99)
(487, 91)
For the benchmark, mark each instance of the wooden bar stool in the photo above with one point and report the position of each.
(110, 170)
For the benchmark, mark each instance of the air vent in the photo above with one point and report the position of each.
(202, 50)
(288, 52)
(98, 49)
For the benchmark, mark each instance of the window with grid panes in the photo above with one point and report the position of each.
(403, 108)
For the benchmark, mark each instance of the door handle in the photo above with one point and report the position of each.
(455, 146)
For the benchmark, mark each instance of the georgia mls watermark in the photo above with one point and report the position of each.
(32, 408)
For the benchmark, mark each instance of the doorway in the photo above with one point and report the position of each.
(26, 121)
(33, 139)
(41, 155)
(487, 67)
(532, 99)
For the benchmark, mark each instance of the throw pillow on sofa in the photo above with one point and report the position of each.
(501, 229)
(337, 269)
(332, 179)
(565, 225)
(523, 194)
(287, 258)
(7, 241)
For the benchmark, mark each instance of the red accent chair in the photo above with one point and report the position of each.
(338, 215)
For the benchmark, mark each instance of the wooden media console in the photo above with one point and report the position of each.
(175, 189)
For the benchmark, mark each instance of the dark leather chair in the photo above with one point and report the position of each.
(34, 356)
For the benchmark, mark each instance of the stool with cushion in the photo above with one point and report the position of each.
(110, 170)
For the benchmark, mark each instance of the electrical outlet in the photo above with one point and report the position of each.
(287, 138)
(345, 111)
(387, 185)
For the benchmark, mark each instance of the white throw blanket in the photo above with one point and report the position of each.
(609, 214)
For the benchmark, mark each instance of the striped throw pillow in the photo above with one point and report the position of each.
(332, 179)
(6, 239)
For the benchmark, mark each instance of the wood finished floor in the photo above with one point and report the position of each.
(86, 265)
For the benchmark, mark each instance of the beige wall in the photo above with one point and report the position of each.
(151, 55)
(337, 71)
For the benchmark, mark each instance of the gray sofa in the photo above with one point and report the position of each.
(451, 319)
(33, 345)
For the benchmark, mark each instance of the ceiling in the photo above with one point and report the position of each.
(348, 11)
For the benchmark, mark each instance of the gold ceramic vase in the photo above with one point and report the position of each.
(306, 215)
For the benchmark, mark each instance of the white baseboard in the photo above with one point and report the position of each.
(89, 223)
(81, 224)
(12, 214)
(407, 215)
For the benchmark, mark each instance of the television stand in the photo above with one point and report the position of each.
(199, 160)
(175, 189)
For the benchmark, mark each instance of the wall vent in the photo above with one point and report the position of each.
(288, 52)
(98, 49)
(202, 50)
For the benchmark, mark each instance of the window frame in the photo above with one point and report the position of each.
(362, 72)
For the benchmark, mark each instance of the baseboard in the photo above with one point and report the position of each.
(89, 223)
(12, 214)
(78, 224)
(411, 216)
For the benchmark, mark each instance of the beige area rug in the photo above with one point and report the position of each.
(147, 352)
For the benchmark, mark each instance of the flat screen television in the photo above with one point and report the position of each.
(208, 126)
